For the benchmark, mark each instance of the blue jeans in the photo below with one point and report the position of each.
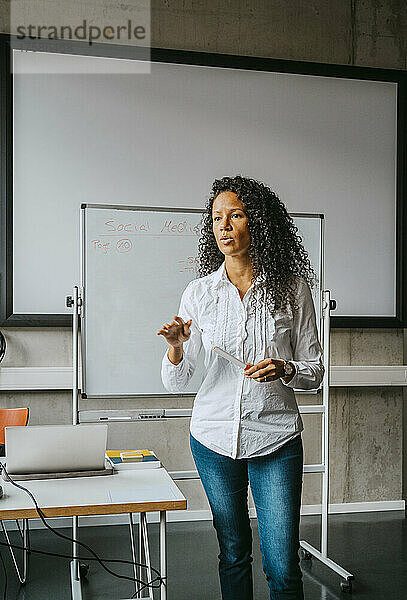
(276, 483)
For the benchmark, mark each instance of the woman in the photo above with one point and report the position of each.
(253, 300)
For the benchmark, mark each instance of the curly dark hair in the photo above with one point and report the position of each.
(276, 250)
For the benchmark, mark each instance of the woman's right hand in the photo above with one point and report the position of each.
(177, 332)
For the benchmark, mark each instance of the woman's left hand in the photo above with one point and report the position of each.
(268, 369)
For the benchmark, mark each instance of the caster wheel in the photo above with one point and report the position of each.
(305, 555)
(83, 569)
(346, 587)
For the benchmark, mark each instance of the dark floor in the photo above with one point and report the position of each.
(372, 546)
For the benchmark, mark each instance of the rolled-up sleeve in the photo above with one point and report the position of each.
(175, 378)
(307, 351)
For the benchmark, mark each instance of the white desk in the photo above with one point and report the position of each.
(138, 491)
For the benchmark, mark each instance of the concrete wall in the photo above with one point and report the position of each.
(366, 423)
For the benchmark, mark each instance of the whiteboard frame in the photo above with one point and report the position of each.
(82, 295)
(9, 42)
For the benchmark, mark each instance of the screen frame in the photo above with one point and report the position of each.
(10, 42)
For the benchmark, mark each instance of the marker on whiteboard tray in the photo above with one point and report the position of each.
(118, 418)
(231, 358)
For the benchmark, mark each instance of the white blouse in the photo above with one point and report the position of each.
(234, 415)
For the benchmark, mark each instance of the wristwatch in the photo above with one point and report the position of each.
(289, 369)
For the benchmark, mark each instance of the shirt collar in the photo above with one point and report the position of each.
(220, 275)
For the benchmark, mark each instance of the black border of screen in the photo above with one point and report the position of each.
(9, 42)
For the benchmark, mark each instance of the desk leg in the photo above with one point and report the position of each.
(24, 538)
(163, 554)
(75, 573)
(133, 552)
(144, 573)
(140, 572)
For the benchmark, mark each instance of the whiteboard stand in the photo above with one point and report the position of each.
(75, 302)
(308, 551)
(95, 226)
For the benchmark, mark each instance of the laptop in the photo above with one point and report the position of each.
(55, 448)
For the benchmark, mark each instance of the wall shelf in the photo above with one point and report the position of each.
(60, 378)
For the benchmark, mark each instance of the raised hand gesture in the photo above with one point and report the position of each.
(177, 332)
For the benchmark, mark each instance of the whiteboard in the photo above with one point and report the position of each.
(136, 262)
(324, 144)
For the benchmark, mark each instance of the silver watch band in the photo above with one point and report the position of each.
(290, 370)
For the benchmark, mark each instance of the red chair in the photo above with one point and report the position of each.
(11, 417)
